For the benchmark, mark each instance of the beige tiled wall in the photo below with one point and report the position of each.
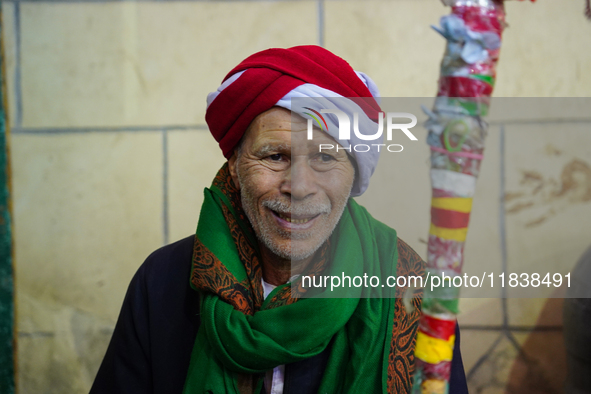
(393, 43)
(193, 162)
(143, 63)
(86, 206)
(87, 209)
(538, 62)
(112, 154)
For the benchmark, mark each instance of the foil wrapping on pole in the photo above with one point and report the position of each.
(457, 132)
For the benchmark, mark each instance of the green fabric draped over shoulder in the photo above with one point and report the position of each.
(242, 336)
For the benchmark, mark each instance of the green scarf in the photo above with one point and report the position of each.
(242, 336)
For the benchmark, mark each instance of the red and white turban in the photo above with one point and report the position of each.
(274, 76)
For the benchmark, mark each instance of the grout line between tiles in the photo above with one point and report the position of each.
(165, 215)
(73, 130)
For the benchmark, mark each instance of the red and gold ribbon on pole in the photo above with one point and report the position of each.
(457, 131)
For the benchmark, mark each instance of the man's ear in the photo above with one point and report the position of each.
(232, 167)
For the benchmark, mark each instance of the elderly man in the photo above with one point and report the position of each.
(226, 311)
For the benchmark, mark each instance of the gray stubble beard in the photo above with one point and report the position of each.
(263, 230)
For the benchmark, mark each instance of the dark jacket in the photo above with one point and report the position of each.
(154, 336)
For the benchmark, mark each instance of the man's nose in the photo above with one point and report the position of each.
(301, 180)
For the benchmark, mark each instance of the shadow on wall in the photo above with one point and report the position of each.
(540, 366)
(516, 359)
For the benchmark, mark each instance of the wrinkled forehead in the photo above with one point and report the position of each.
(279, 126)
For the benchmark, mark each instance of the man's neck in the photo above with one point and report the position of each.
(277, 270)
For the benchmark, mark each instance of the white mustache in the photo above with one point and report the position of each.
(300, 209)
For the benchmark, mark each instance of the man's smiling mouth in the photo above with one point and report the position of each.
(295, 220)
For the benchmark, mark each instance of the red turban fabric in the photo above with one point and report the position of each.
(271, 74)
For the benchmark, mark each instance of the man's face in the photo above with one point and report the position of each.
(292, 194)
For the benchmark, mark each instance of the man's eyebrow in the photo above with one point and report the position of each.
(266, 149)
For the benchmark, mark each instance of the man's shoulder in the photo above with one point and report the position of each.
(167, 265)
(162, 285)
(171, 253)
(155, 332)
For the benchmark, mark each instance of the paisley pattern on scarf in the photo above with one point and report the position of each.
(209, 274)
(289, 294)
(223, 181)
(248, 256)
(404, 330)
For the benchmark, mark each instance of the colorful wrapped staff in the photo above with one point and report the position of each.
(456, 136)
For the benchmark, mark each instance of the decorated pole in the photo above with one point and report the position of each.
(457, 132)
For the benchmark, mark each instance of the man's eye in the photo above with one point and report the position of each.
(326, 157)
(275, 157)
